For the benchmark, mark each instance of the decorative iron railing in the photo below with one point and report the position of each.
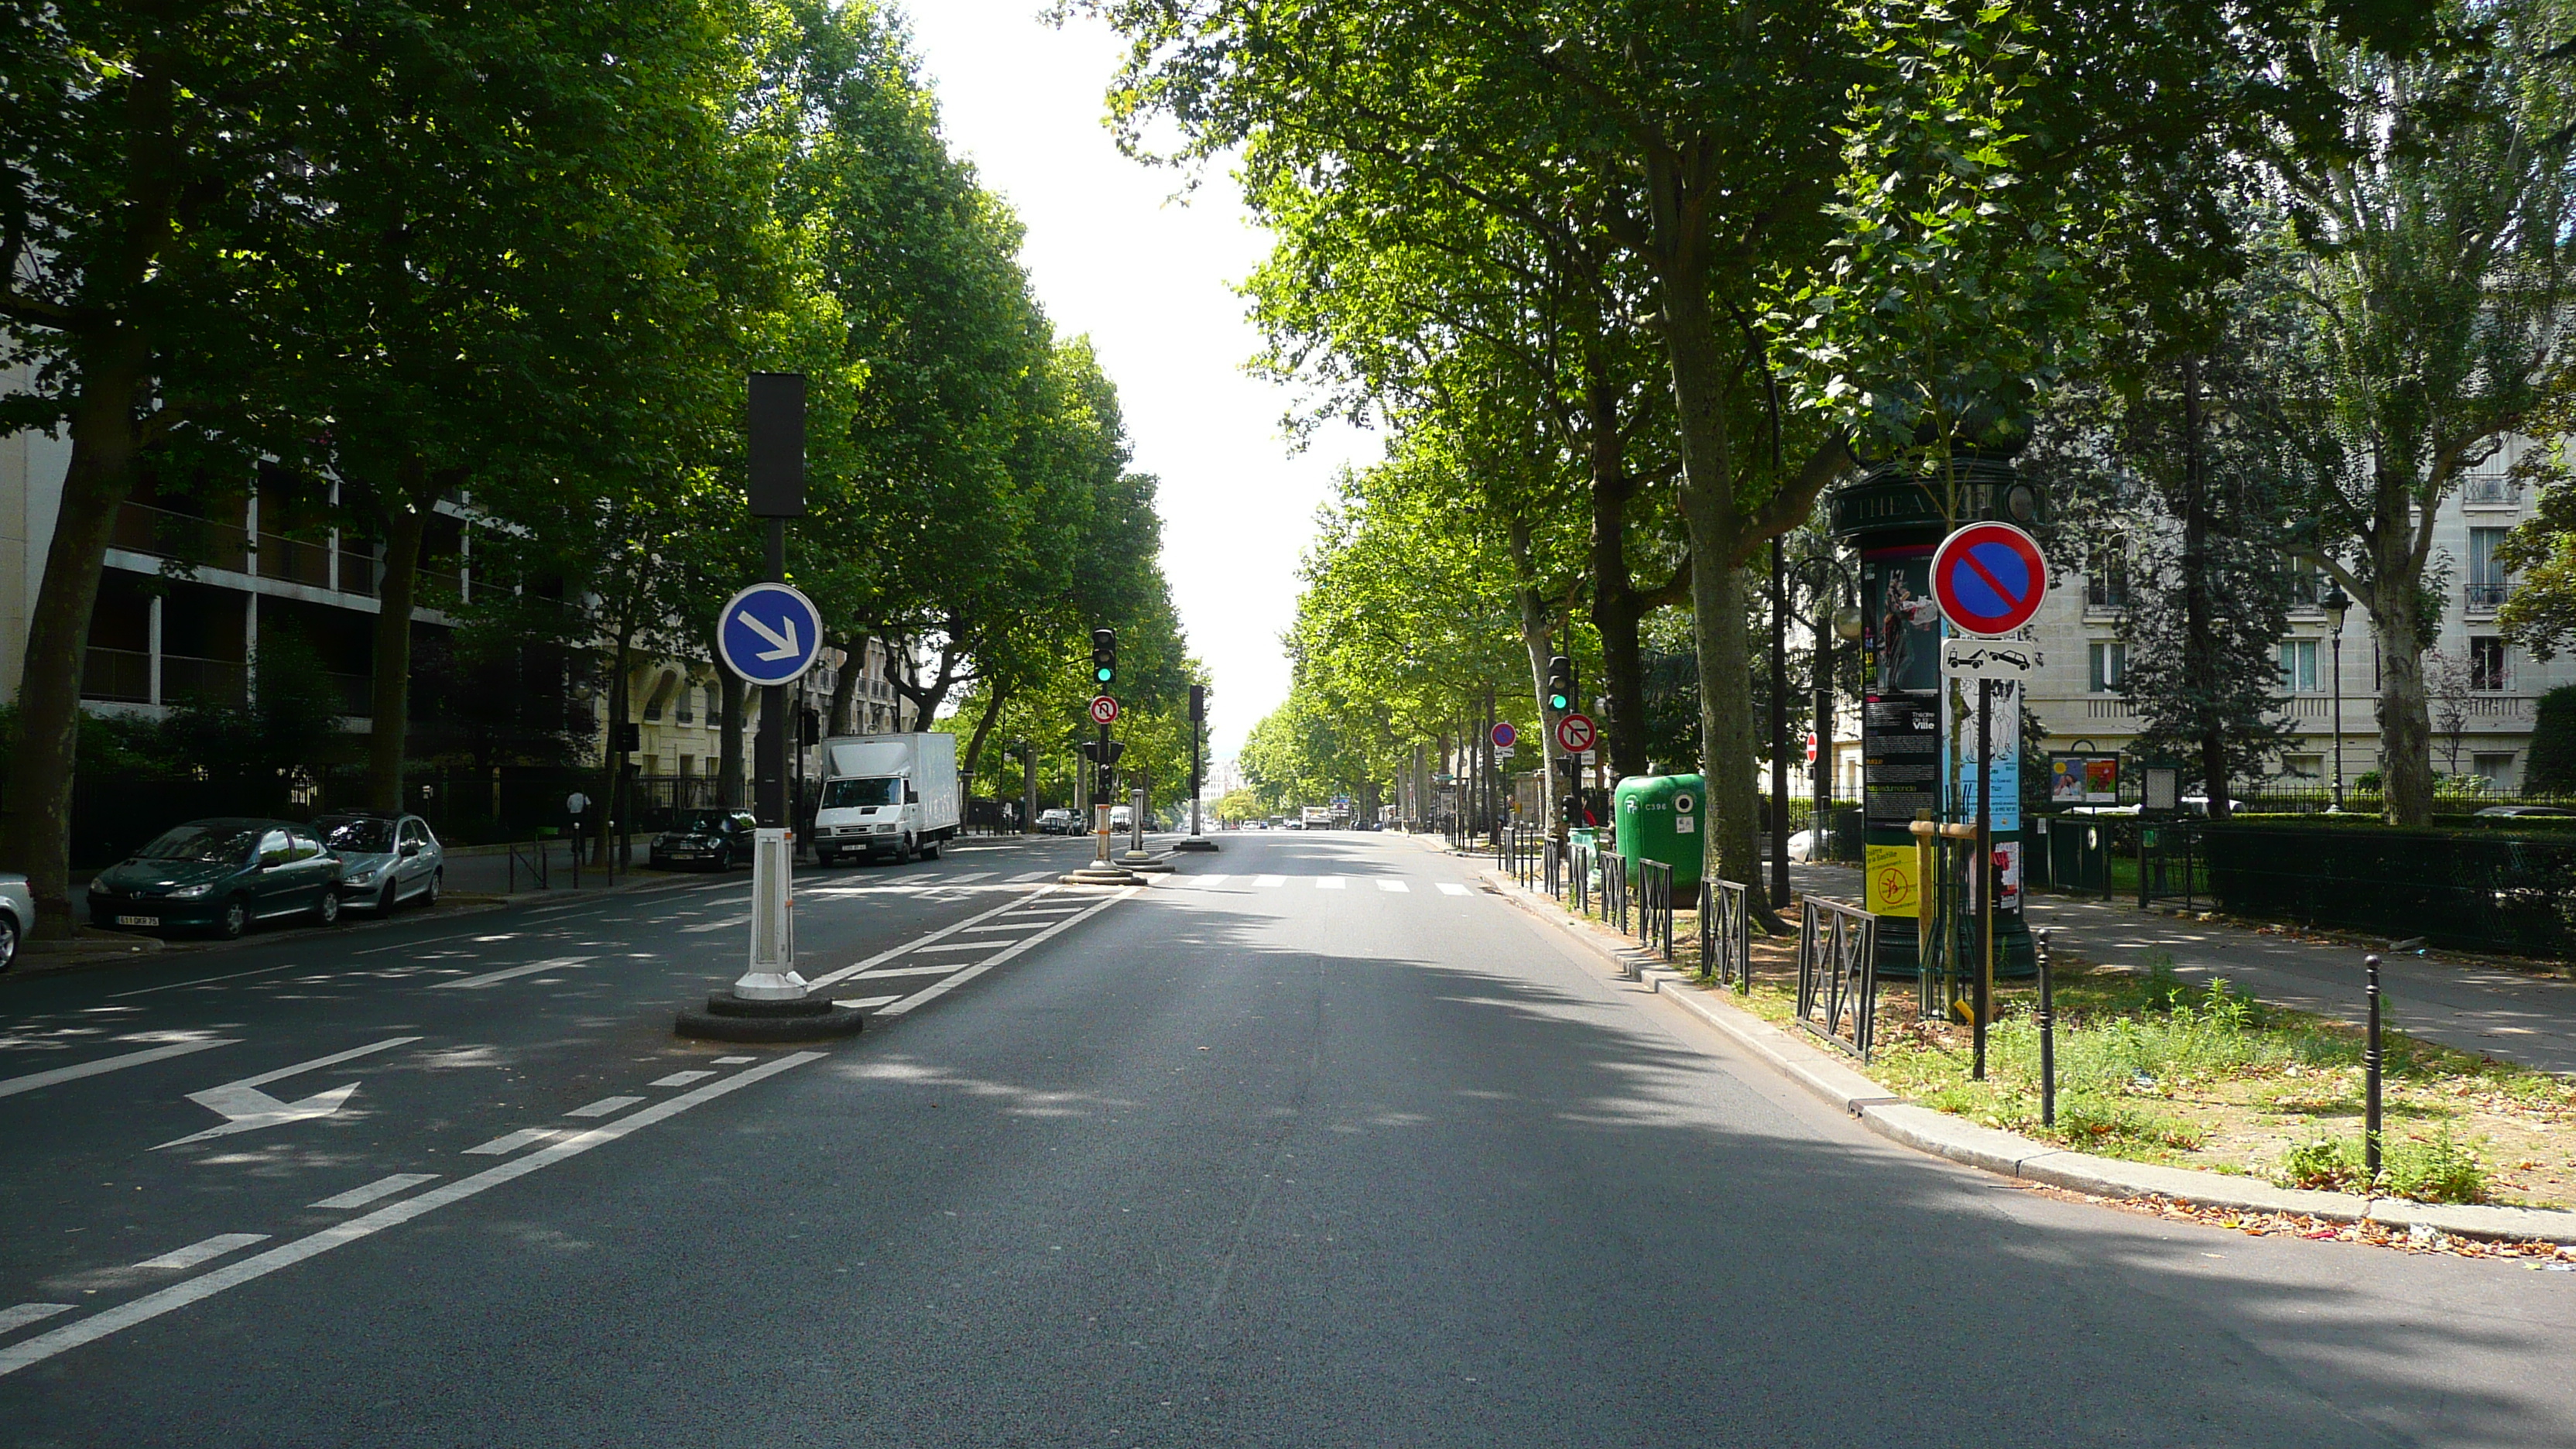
(1838, 975)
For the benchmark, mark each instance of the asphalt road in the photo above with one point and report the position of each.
(1314, 1144)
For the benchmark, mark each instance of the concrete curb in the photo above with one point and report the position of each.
(1828, 1075)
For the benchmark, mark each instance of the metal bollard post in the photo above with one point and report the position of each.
(2047, 1036)
(2370, 1062)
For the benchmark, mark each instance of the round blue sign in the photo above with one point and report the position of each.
(769, 634)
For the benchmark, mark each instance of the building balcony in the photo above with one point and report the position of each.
(2491, 490)
(124, 676)
(2485, 598)
(186, 538)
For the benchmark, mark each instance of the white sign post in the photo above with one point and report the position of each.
(772, 973)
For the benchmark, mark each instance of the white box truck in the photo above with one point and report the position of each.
(887, 795)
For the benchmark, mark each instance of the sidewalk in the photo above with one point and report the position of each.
(2463, 1004)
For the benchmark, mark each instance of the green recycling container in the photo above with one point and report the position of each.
(1663, 818)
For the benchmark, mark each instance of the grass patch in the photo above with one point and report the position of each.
(2151, 1068)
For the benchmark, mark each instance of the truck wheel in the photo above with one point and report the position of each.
(827, 858)
(903, 852)
(930, 850)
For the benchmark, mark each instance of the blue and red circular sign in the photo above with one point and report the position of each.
(1989, 578)
(1505, 736)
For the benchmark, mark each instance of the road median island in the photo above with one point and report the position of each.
(2242, 1117)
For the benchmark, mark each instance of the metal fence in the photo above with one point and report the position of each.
(2470, 890)
(1655, 906)
(2170, 864)
(1614, 891)
(1838, 975)
(1725, 934)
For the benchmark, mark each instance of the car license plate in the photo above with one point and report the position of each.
(138, 920)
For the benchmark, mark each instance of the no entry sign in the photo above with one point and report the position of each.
(1989, 578)
(1574, 733)
(1104, 710)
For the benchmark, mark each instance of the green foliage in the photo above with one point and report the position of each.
(2551, 764)
(2435, 1168)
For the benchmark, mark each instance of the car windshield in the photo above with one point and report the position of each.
(211, 844)
(359, 837)
(846, 794)
(700, 822)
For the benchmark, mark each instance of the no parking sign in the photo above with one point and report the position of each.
(1989, 578)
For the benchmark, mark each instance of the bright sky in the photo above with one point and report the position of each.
(1150, 280)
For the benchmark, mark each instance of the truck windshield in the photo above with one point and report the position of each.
(845, 794)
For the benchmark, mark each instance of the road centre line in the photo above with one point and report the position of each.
(932, 993)
(30, 1082)
(495, 978)
(882, 957)
(179, 1295)
(381, 1187)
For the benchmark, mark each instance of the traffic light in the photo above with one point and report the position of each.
(1104, 658)
(1560, 684)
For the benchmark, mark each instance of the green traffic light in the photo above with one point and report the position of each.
(1103, 673)
(1558, 702)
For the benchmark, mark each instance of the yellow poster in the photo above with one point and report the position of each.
(1892, 887)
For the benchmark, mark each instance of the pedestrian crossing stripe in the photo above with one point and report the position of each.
(1387, 884)
(1328, 882)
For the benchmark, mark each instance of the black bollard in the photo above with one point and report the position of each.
(2370, 1080)
(2047, 1037)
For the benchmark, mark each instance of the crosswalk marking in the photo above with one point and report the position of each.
(1388, 883)
(1272, 880)
(1211, 882)
(1452, 888)
(1328, 882)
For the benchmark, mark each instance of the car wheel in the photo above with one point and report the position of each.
(234, 920)
(429, 892)
(8, 942)
(327, 909)
(385, 898)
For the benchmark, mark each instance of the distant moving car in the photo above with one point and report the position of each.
(2542, 812)
(385, 858)
(708, 839)
(221, 874)
(1121, 817)
(1058, 821)
(17, 916)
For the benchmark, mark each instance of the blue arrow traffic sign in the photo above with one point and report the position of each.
(769, 634)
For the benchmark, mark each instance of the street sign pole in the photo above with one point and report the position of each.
(1985, 873)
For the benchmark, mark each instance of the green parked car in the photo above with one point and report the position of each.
(220, 875)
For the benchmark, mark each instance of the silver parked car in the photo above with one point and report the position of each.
(17, 916)
(385, 859)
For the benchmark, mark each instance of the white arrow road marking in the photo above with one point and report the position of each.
(259, 1265)
(30, 1082)
(782, 646)
(243, 1106)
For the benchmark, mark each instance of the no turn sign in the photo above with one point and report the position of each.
(1104, 710)
(1574, 733)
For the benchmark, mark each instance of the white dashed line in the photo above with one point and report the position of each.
(30, 1082)
(18, 1316)
(1399, 887)
(734, 1061)
(1328, 882)
(495, 978)
(1452, 888)
(604, 1107)
(1271, 880)
(204, 1252)
(716, 925)
(509, 1142)
(381, 1187)
(682, 1079)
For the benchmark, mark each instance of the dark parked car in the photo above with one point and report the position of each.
(385, 858)
(223, 874)
(715, 839)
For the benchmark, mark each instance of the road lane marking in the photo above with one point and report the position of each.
(202, 981)
(682, 1079)
(333, 1060)
(245, 1108)
(1001, 926)
(1452, 888)
(205, 1251)
(1387, 883)
(864, 1003)
(718, 925)
(604, 1107)
(1271, 880)
(1029, 875)
(959, 946)
(882, 972)
(381, 1187)
(1328, 882)
(30, 1082)
(958, 880)
(932, 993)
(882, 957)
(179, 1295)
(495, 978)
(19, 1315)
(1211, 882)
(734, 1061)
(509, 1142)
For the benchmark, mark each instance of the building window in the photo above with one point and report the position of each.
(2303, 767)
(2307, 584)
(2488, 664)
(2109, 663)
(2486, 588)
(2106, 579)
(2299, 666)
(688, 698)
(2496, 770)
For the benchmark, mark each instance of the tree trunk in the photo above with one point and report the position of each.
(405, 520)
(2405, 721)
(613, 760)
(975, 746)
(1616, 608)
(2200, 643)
(845, 688)
(105, 441)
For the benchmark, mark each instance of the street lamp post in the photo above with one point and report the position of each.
(2336, 604)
